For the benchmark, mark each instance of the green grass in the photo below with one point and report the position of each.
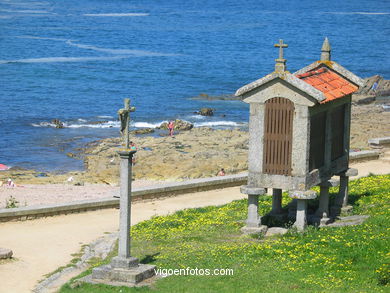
(345, 259)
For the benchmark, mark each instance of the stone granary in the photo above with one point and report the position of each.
(299, 131)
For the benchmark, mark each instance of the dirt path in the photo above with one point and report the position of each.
(43, 245)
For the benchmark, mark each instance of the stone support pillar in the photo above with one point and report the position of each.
(302, 197)
(341, 201)
(253, 222)
(323, 206)
(276, 201)
(253, 219)
(301, 221)
(343, 191)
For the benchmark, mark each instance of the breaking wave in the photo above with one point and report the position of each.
(216, 123)
(81, 123)
(147, 124)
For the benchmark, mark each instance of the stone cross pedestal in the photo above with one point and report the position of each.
(253, 222)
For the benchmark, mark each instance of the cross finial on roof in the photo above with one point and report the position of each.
(325, 50)
(280, 65)
(281, 45)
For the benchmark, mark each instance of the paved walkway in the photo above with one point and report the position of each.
(41, 246)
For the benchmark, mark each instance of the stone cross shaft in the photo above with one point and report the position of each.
(281, 45)
(124, 117)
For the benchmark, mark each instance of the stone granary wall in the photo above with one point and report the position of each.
(299, 129)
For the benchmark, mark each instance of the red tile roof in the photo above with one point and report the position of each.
(333, 85)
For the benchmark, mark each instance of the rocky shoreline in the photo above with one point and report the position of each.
(190, 153)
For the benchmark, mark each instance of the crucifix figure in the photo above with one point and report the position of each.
(280, 65)
(124, 117)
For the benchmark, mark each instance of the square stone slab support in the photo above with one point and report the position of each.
(302, 197)
(276, 201)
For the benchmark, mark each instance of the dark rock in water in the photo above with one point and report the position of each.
(71, 155)
(179, 125)
(143, 131)
(57, 123)
(205, 112)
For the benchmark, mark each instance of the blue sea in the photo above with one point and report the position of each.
(77, 60)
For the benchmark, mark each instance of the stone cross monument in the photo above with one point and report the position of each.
(124, 269)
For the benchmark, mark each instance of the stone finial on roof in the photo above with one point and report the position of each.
(325, 50)
(280, 65)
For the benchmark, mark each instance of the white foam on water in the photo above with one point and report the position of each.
(108, 124)
(117, 51)
(43, 124)
(105, 117)
(362, 13)
(199, 117)
(61, 59)
(27, 11)
(216, 123)
(115, 14)
(42, 38)
(147, 124)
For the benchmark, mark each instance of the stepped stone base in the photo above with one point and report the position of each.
(130, 277)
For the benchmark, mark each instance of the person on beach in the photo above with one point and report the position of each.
(10, 183)
(221, 172)
(133, 148)
(171, 126)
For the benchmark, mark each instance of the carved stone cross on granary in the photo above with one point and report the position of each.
(299, 133)
(124, 117)
(280, 65)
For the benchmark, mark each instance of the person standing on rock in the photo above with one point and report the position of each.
(171, 127)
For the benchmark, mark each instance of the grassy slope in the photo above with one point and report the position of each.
(349, 259)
